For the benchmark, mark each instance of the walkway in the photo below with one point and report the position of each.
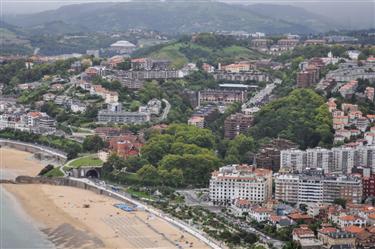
(45, 149)
(180, 224)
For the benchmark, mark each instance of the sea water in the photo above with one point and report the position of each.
(17, 230)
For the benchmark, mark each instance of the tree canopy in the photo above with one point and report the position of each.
(301, 117)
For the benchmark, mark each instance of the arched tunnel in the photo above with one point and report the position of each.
(92, 173)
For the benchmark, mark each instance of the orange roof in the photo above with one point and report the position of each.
(261, 210)
(299, 216)
(328, 230)
(348, 218)
(275, 218)
(303, 231)
(371, 216)
(354, 229)
(372, 229)
(35, 114)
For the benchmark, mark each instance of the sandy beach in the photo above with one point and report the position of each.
(15, 162)
(77, 218)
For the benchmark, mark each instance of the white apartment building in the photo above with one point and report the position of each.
(341, 159)
(287, 188)
(240, 181)
(317, 188)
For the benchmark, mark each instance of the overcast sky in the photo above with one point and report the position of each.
(32, 6)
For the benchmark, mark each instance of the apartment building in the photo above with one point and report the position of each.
(253, 75)
(219, 96)
(197, 121)
(268, 156)
(340, 159)
(236, 124)
(369, 185)
(314, 187)
(287, 188)
(115, 114)
(240, 181)
(203, 115)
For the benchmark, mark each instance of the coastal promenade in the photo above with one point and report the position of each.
(178, 223)
(29, 147)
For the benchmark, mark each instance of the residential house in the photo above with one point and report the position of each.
(125, 145)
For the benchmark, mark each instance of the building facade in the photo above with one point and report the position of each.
(314, 187)
(236, 124)
(340, 159)
(240, 181)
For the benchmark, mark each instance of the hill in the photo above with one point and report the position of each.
(295, 14)
(205, 48)
(12, 40)
(169, 17)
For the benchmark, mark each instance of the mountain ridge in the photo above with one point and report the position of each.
(187, 17)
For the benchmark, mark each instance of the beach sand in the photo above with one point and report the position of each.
(15, 162)
(77, 218)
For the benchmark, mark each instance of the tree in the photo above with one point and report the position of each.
(148, 174)
(125, 65)
(134, 105)
(238, 149)
(340, 201)
(113, 163)
(301, 117)
(93, 143)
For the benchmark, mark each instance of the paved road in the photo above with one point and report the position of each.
(166, 110)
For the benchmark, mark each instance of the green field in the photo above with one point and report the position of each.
(181, 53)
(140, 194)
(91, 160)
(54, 173)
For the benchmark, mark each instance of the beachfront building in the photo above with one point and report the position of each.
(314, 187)
(340, 159)
(240, 181)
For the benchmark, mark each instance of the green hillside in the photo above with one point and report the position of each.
(207, 48)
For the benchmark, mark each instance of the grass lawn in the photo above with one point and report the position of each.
(140, 194)
(90, 160)
(54, 173)
(172, 53)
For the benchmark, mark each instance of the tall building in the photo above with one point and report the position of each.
(340, 159)
(368, 186)
(287, 188)
(240, 181)
(314, 187)
(268, 156)
(237, 123)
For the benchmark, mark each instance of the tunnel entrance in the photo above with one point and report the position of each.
(92, 173)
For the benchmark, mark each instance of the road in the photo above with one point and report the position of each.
(261, 97)
(166, 110)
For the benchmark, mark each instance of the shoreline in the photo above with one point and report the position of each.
(68, 224)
